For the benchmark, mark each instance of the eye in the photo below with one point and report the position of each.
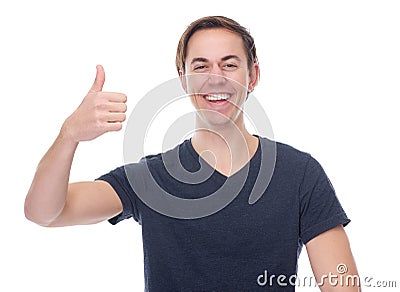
(230, 66)
(199, 68)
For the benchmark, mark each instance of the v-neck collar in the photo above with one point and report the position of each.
(196, 155)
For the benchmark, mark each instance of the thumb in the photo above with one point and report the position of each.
(99, 81)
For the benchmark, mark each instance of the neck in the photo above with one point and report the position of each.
(226, 147)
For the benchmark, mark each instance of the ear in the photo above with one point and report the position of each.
(183, 80)
(254, 77)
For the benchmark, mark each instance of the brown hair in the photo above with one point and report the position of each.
(209, 22)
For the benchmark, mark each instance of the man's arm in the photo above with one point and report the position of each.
(332, 261)
(51, 200)
(88, 203)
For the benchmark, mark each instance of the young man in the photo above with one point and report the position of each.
(242, 247)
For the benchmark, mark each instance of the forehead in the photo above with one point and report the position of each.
(215, 43)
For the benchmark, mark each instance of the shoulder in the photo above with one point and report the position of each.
(286, 153)
(172, 158)
(165, 154)
(291, 162)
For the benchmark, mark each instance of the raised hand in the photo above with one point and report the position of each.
(99, 112)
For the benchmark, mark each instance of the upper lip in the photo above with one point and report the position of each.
(218, 93)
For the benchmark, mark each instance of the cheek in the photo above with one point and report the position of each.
(241, 79)
(241, 85)
(194, 100)
(196, 83)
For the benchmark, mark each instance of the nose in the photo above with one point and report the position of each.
(215, 76)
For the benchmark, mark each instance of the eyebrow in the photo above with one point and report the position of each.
(226, 58)
(202, 59)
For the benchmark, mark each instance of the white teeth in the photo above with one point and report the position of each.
(217, 96)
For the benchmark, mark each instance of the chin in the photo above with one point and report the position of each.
(210, 120)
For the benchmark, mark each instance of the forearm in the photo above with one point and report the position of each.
(47, 195)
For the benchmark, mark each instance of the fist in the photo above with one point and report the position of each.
(99, 112)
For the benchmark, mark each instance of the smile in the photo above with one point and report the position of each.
(217, 96)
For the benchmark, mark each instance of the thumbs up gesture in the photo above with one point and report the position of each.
(99, 112)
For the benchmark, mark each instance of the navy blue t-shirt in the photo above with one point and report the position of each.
(241, 246)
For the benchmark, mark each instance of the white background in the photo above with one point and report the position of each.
(329, 84)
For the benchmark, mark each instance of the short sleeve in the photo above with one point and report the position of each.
(320, 209)
(118, 180)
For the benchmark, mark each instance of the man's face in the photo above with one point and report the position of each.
(217, 76)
